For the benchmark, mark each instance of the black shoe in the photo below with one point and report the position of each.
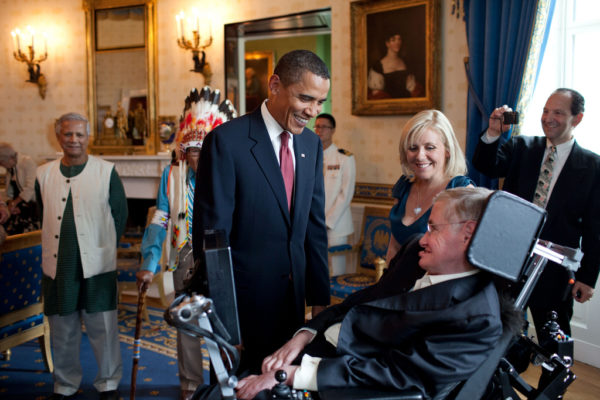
(109, 395)
(58, 396)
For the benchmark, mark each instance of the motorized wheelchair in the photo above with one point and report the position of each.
(505, 244)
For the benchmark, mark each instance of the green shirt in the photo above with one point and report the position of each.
(70, 291)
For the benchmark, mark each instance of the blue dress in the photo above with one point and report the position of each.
(400, 191)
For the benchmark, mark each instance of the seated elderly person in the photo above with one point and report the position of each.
(408, 331)
(20, 190)
(4, 213)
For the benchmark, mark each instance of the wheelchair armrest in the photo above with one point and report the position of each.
(368, 394)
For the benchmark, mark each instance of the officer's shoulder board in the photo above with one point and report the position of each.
(345, 152)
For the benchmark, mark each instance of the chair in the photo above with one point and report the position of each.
(22, 309)
(519, 260)
(371, 251)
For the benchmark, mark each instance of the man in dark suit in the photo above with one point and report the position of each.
(402, 333)
(261, 180)
(571, 195)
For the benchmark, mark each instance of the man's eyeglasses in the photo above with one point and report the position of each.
(435, 227)
(323, 127)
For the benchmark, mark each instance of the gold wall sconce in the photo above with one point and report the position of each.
(189, 37)
(25, 45)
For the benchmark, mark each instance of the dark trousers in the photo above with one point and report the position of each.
(255, 352)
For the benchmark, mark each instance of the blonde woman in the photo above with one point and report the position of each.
(431, 161)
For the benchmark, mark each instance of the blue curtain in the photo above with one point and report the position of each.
(498, 37)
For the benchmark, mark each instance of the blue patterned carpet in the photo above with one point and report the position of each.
(24, 377)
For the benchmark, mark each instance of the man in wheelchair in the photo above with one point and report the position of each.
(427, 325)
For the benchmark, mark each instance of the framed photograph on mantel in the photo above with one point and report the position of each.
(395, 56)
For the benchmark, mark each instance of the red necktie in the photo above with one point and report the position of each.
(287, 167)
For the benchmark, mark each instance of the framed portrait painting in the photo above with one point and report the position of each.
(395, 56)
(258, 69)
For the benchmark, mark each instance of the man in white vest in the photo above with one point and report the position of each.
(84, 210)
(339, 169)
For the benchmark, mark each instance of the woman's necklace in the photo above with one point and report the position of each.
(417, 209)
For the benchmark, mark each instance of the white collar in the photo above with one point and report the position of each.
(331, 149)
(273, 127)
(563, 148)
(430, 280)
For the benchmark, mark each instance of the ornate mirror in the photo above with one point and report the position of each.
(121, 75)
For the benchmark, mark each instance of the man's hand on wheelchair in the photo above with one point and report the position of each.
(582, 292)
(288, 352)
(251, 385)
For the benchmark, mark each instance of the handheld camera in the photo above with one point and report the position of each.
(510, 117)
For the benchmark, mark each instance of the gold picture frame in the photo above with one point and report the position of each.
(373, 193)
(395, 56)
(121, 57)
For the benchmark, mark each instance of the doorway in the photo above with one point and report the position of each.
(252, 49)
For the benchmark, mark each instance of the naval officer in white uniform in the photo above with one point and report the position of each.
(339, 169)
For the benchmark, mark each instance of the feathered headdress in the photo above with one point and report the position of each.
(201, 114)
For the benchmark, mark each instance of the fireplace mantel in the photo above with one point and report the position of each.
(140, 174)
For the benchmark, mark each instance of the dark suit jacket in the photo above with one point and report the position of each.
(421, 340)
(278, 259)
(573, 207)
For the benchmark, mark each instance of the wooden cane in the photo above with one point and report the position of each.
(136, 342)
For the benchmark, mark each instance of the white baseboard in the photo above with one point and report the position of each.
(587, 353)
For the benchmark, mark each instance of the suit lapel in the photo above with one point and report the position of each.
(302, 170)
(531, 171)
(570, 175)
(434, 297)
(267, 161)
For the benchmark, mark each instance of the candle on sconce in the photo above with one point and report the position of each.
(208, 19)
(197, 18)
(45, 43)
(181, 25)
(14, 40)
(189, 25)
(32, 33)
(18, 40)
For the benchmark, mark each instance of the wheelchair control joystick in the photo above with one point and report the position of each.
(551, 325)
(555, 340)
(281, 391)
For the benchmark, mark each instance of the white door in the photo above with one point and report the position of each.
(585, 329)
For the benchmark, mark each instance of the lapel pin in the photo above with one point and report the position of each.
(302, 155)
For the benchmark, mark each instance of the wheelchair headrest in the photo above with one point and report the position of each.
(505, 235)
